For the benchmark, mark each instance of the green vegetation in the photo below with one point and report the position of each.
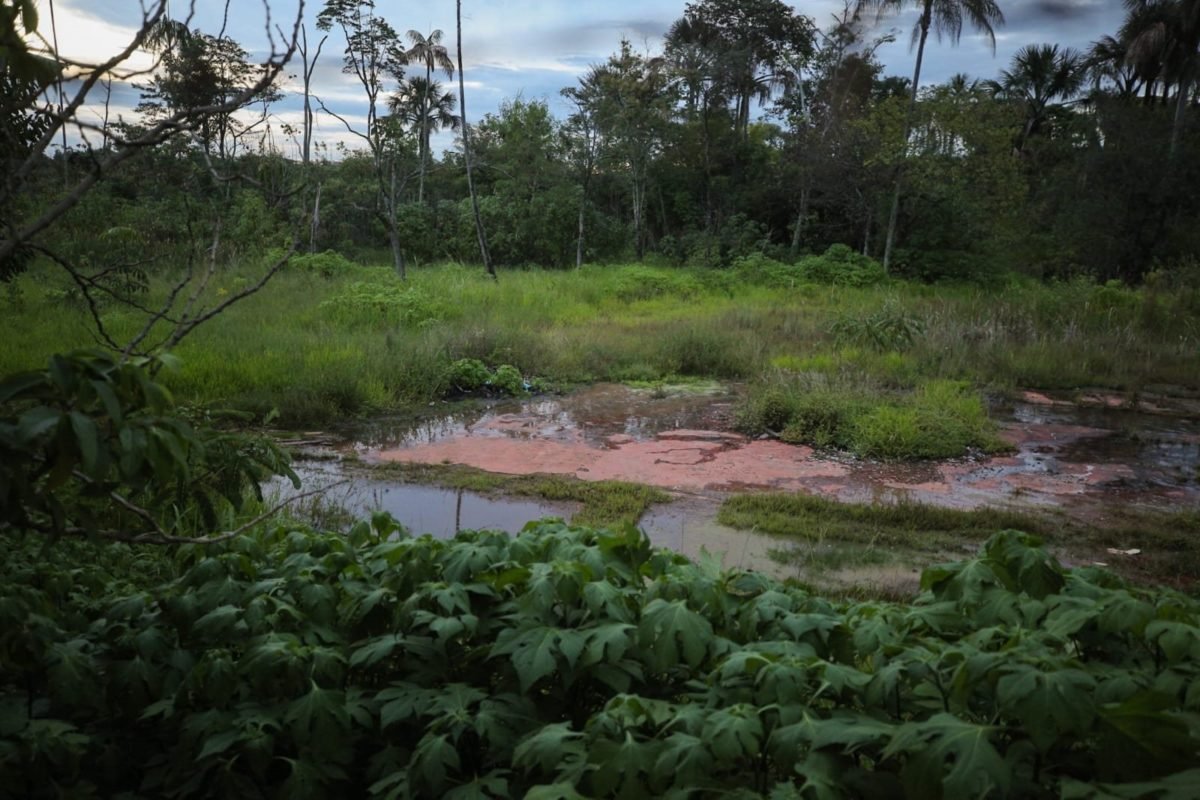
(833, 534)
(614, 503)
(567, 661)
(287, 349)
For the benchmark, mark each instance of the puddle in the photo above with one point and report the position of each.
(422, 509)
(1081, 460)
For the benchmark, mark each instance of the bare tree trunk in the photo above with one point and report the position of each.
(1181, 105)
(466, 134)
(315, 223)
(638, 202)
(866, 251)
(424, 133)
(392, 228)
(800, 220)
(579, 240)
(926, 19)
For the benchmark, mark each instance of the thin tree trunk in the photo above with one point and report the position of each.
(1181, 105)
(894, 215)
(393, 229)
(579, 239)
(866, 251)
(466, 134)
(315, 223)
(800, 218)
(424, 134)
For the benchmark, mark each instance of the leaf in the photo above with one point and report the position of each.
(1051, 701)
(320, 715)
(553, 749)
(532, 652)
(673, 633)
(1141, 739)
(950, 755)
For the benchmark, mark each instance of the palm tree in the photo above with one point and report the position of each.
(1040, 74)
(430, 51)
(946, 18)
(1108, 60)
(1164, 44)
(423, 105)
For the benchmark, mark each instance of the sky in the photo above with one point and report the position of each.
(534, 48)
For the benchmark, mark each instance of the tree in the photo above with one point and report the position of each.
(429, 51)
(1039, 75)
(466, 141)
(633, 107)
(423, 105)
(374, 56)
(945, 17)
(582, 133)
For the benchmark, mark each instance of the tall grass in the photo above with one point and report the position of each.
(317, 346)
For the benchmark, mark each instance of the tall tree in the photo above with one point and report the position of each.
(1039, 75)
(633, 110)
(582, 132)
(423, 105)
(375, 57)
(430, 52)
(466, 139)
(945, 18)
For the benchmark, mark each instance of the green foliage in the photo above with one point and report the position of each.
(939, 419)
(329, 264)
(568, 662)
(93, 445)
(391, 304)
(891, 327)
(842, 266)
(470, 376)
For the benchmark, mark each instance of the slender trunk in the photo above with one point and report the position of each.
(1181, 105)
(466, 134)
(424, 134)
(54, 37)
(894, 215)
(866, 251)
(315, 224)
(393, 229)
(800, 219)
(638, 200)
(579, 239)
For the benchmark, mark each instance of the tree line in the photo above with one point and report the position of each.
(752, 130)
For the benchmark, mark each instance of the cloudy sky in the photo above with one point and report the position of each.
(533, 48)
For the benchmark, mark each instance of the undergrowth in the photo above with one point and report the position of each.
(570, 662)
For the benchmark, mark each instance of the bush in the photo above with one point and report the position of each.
(389, 303)
(842, 266)
(288, 663)
(888, 328)
(467, 375)
(329, 264)
(645, 283)
(508, 380)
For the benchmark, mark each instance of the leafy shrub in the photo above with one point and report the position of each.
(645, 283)
(888, 328)
(942, 419)
(508, 380)
(290, 664)
(329, 264)
(468, 375)
(842, 266)
(387, 303)
(760, 270)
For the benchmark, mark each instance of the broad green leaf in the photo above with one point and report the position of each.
(672, 634)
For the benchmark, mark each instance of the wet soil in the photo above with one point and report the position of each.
(1087, 457)
(1080, 459)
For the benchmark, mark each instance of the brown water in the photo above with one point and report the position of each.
(1080, 459)
(1083, 459)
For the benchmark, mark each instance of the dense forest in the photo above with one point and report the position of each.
(754, 130)
(943, 340)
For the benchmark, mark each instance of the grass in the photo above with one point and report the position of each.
(834, 535)
(602, 503)
(321, 345)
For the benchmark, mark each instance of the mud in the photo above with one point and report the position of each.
(1081, 459)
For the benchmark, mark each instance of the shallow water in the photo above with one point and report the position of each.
(1082, 459)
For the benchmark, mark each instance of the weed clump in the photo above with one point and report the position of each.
(329, 264)
(471, 376)
(941, 419)
(365, 303)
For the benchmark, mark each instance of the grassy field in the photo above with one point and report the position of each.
(832, 365)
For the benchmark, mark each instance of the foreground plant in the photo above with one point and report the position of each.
(569, 662)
